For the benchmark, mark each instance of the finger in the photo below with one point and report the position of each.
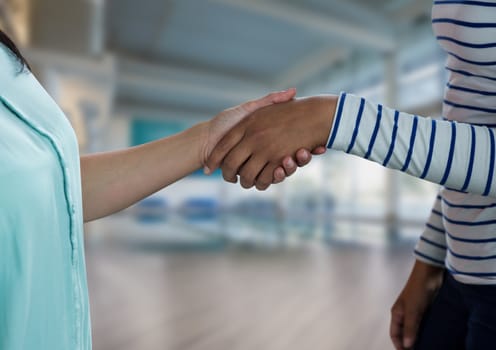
(319, 150)
(303, 157)
(289, 166)
(222, 148)
(250, 170)
(279, 175)
(396, 327)
(233, 163)
(273, 97)
(265, 178)
(412, 321)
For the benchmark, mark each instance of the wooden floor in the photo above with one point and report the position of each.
(311, 298)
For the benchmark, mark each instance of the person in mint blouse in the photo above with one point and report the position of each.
(47, 191)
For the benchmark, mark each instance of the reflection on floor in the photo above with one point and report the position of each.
(313, 297)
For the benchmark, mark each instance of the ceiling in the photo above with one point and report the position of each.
(204, 55)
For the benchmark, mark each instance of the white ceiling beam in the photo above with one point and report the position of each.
(170, 71)
(352, 33)
(158, 89)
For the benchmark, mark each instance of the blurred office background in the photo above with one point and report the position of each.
(313, 263)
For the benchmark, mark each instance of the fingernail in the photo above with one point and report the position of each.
(408, 342)
(206, 170)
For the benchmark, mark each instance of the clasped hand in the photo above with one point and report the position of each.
(270, 137)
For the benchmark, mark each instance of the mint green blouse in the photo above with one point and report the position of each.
(43, 290)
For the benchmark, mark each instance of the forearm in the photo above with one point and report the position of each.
(426, 275)
(457, 155)
(113, 181)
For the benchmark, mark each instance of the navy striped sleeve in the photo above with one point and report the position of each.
(440, 151)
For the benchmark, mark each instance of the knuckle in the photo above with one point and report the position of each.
(262, 188)
(246, 185)
(229, 166)
(262, 184)
(412, 312)
(247, 181)
(223, 145)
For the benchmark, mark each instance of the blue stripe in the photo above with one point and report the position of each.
(471, 257)
(338, 119)
(437, 212)
(467, 206)
(428, 257)
(393, 139)
(357, 125)
(437, 229)
(473, 108)
(491, 165)
(431, 149)
(451, 154)
(428, 241)
(453, 271)
(477, 63)
(469, 74)
(466, 2)
(474, 91)
(465, 23)
(412, 142)
(471, 161)
(463, 223)
(466, 44)
(471, 240)
(374, 133)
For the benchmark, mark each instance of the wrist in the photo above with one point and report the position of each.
(324, 109)
(428, 275)
(200, 134)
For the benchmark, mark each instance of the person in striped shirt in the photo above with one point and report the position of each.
(449, 301)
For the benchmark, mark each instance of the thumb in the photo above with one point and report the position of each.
(412, 321)
(397, 324)
(273, 97)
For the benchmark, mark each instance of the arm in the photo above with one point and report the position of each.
(440, 151)
(113, 181)
(409, 308)
(423, 283)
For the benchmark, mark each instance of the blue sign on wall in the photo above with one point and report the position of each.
(144, 130)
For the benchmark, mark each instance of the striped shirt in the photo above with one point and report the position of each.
(457, 152)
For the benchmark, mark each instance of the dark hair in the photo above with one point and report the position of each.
(4, 39)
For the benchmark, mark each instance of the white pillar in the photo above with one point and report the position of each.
(392, 177)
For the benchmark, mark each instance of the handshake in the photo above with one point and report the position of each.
(262, 141)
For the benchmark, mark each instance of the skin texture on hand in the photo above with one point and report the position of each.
(225, 120)
(408, 310)
(256, 146)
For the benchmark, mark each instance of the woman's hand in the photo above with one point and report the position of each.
(410, 306)
(255, 147)
(224, 121)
